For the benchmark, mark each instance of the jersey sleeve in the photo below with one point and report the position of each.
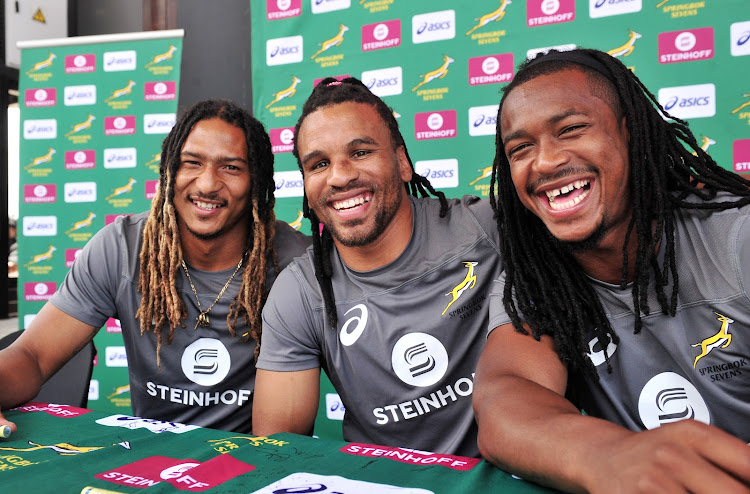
(743, 254)
(288, 340)
(90, 287)
(498, 314)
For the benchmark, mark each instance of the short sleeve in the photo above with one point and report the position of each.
(498, 314)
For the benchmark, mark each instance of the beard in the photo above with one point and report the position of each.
(583, 245)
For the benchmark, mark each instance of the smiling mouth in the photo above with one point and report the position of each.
(206, 205)
(352, 203)
(569, 195)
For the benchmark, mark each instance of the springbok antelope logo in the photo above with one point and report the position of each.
(484, 173)
(86, 124)
(661, 3)
(122, 91)
(468, 282)
(628, 47)
(83, 223)
(743, 105)
(122, 190)
(41, 257)
(330, 43)
(723, 336)
(42, 65)
(706, 142)
(62, 449)
(285, 93)
(154, 160)
(120, 390)
(41, 159)
(297, 224)
(495, 15)
(162, 56)
(435, 74)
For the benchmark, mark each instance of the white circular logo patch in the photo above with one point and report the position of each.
(669, 397)
(380, 32)
(685, 41)
(419, 359)
(490, 65)
(206, 362)
(596, 354)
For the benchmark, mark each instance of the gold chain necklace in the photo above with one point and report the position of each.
(202, 319)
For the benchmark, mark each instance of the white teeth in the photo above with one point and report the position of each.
(551, 194)
(557, 206)
(206, 205)
(350, 203)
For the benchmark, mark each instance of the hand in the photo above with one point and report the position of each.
(4, 422)
(686, 456)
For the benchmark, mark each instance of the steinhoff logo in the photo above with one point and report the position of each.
(468, 283)
(721, 339)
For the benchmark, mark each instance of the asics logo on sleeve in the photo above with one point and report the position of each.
(354, 326)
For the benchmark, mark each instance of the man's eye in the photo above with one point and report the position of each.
(319, 165)
(572, 128)
(517, 149)
(360, 153)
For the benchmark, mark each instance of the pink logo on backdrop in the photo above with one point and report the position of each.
(39, 193)
(113, 325)
(151, 186)
(185, 475)
(38, 291)
(741, 155)
(435, 125)
(491, 69)
(61, 411)
(110, 218)
(381, 35)
(159, 90)
(77, 160)
(281, 9)
(70, 256)
(686, 46)
(542, 12)
(76, 64)
(337, 77)
(40, 97)
(282, 140)
(117, 126)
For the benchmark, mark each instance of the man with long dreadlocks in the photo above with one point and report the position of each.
(391, 301)
(187, 280)
(625, 292)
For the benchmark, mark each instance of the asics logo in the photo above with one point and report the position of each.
(354, 326)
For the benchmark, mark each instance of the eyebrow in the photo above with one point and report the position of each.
(351, 144)
(552, 120)
(223, 159)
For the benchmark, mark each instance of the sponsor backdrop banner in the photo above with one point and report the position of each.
(441, 68)
(94, 111)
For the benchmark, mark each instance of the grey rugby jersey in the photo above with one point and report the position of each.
(207, 377)
(409, 334)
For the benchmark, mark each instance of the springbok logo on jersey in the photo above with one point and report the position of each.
(419, 359)
(669, 397)
(206, 362)
(722, 338)
(466, 284)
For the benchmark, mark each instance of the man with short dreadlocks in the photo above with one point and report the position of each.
(187, 280)
(625, 291)
(391, 301)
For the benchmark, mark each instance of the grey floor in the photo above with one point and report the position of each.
(8, 326)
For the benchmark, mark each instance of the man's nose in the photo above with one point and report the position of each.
(342, 172)
(550, 155)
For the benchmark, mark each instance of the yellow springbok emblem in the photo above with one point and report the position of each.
(83, 223)
(122, 91)
(86, 124)
(706, 142)
(438, 73)
(41, 159)
(495, 15)
(484, 173)
(42, 65)
(743, 105)
(628, 47)
(723, 336)
(661, 3)
(120, 390)
(330, 43)
(297, 224)
(285, 93)
(41, 257)
(162, 56)
(469, 281)
(63, 449)
(122, 190)
(154, 160)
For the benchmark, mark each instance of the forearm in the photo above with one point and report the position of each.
(542, 438)
(20, 377)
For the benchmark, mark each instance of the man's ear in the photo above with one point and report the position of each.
(404, 167)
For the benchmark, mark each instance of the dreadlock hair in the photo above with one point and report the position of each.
(544, 284)
(161, 252)
(328, 92)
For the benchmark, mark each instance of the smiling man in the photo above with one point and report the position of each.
(627, 255)
(391, 301)
(203, 257)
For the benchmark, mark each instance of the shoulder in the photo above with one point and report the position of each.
(289, 243)
(469, 215)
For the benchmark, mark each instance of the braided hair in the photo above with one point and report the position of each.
(667, 166)
(161, 252)
(328, 92)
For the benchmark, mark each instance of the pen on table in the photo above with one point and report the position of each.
(5, 432)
